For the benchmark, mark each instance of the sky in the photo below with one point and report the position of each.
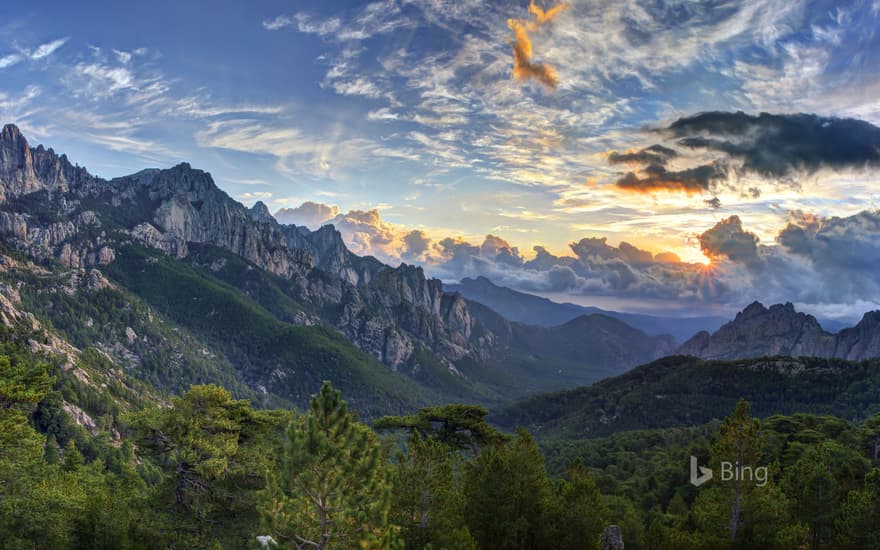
(652, 155)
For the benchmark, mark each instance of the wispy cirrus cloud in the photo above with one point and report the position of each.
(41, 51)
(47, 49)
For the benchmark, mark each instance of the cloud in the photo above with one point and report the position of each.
(416, 244)
(375, 18)
(778, 146)
(728, 238)
(823, 264)
(104, 79)
(309, 214)
(299, 153)
(10, 60)
(278, 22)
(47, 49)
(305, 24)
(523, 66)
(658, 178)
(40, 52)
(383, 113)
(358, 86)
(655, 154)
(850, 243)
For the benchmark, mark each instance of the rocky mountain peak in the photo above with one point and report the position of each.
(752, 310)
(11, 133)
(759, 331)
(385, 311)
(259, 212)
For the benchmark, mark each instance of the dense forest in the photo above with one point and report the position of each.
(204, 470)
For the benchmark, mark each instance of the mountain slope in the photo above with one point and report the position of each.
(780, 330)
(535, 310)
(305, 307)
(586, 349)
(685, 391)
(51, 209)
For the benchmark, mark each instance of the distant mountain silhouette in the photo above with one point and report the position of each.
(535, 310)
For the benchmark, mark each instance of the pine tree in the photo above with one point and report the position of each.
(817, 485)
(739, 513)
(870, 435)
(332, 489)
(52, 456)
(457, 426)
(856, 525)
(427, 501)
(73, 459)
(507, 490)
(576, 514)
(214, 450)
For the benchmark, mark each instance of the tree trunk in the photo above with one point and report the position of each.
(734, 512)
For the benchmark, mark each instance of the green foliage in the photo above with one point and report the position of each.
(856, 525)
(290, 361)
(685, 391)
(213, 451)
(576, 513)
(332, 488)
(457, 426)
(205, 470)
(427, 501)
(21, 381)
(506, 490)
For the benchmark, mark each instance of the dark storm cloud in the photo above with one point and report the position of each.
(728, 238)
(713, 203)
(692, 180)
(653, 155)
(776, 146)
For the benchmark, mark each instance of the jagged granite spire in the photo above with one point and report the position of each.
(758, 331)
(387, 312)
(260, 213)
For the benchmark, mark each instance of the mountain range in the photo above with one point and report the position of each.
(172, 282)
(535, 310)
(759, 331)
(195, 287)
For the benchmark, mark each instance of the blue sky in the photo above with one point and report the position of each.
(405, 114)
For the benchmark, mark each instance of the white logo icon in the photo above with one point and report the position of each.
(705, 473)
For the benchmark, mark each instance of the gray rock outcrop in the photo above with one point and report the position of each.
(388, 312)
(759, 331)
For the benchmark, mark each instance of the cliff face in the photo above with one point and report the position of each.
(52, 209)
(758, 331)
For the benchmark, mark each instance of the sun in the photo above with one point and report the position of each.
(706, 261)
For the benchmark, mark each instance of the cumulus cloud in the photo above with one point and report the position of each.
(825, 265)
(523, 66)
(309, 214)
(851, 243)
(416, 244)
(728, 238)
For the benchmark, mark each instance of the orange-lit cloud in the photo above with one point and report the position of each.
(523, 67)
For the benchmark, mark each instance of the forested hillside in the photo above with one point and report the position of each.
(209, 471)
